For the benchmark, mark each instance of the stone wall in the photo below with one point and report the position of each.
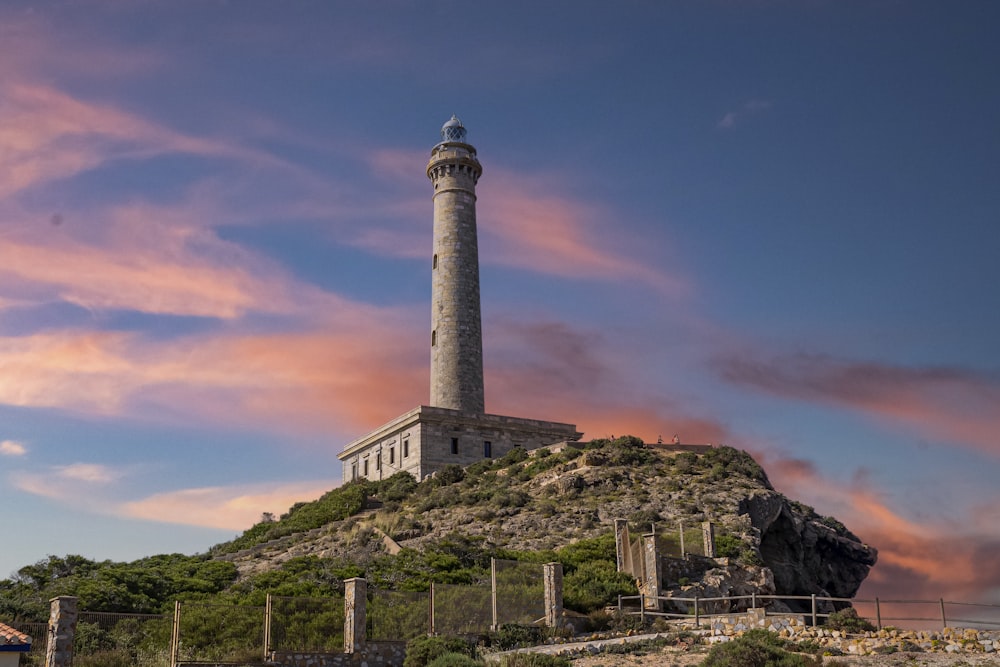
(372, 654)
(420, 441)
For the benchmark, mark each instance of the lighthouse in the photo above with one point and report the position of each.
(456, 321)
(455, 428)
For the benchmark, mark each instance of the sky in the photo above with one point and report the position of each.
(768, 224)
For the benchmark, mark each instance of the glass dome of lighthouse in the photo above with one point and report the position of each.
(453, 130)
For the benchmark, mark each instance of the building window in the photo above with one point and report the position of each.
(434, 338)
(487, 449)
(435, 262)
(364, 467)
(378, 461)
(354, 471)
(392, 455)
(454, 445)
(406, 448)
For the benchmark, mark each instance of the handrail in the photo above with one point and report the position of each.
(814, 613)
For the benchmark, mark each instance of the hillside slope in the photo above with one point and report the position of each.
(545, 501)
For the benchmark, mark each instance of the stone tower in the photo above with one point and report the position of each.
(456, 327)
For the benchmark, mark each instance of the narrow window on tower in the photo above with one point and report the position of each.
(487, 449)
(435, 265)
(454, 445)
(434, 338)
(406, 448)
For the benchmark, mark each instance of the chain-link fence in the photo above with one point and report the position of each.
(306, 625)
(462, 610)
(520, 592)
(219, 633)
(397, 615)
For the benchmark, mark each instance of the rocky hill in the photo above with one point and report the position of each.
(546, 500)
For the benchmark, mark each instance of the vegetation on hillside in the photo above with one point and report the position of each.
(487, 491)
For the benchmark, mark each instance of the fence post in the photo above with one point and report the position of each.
(878, 615)
(697, 613)
(642, 608)
(267, 625)
(430, 628)
(814, 609)
(944, 619)
(493, 580)
(553, 576)
(175, 634)
(355, 611)
(62, 627)
(622, 551)
(708, 537)
(680, 528)
(753, 599)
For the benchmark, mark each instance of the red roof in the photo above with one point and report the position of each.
(11, 637)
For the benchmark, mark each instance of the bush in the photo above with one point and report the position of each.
(511, 635)
(533, 660)
(847, 620)
(422, 651)
(757, 648)
(454, 660)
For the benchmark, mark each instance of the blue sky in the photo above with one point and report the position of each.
(766, 224)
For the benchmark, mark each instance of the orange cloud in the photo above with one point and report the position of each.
(928, 559)
(350, 376)
(229, 508)
(947, 403)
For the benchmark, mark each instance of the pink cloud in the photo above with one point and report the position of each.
(525, 222)
(12, 448)
(550, 370)
(349, 376)
(229, 508)
(947, 403)
(926, 559)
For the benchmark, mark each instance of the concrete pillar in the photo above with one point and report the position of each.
(62, 627)
(708, 537)
(355, 610)
(622, 550)
(651, 566)
(553, 575)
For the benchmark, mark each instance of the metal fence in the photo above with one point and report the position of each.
(520, 592)
(461, 610)
(217, 633)
(304, 625)
(397, 615)
(881, 613)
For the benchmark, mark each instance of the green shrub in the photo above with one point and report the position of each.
(533, 660)
(847, 620)
(421, 651)
(454, 660)
(757, 648)
(512, 635)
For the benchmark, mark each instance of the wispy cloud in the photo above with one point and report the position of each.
(12, 448)
(526, 222)
(347, 375)
(550, 370)
(730, 119)
(84, 485)
(953, 404)
(226, 507)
